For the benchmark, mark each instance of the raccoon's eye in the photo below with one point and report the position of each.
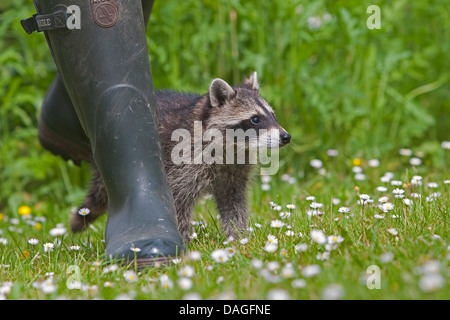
(255, 120)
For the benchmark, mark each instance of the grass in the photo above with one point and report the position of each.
(367, 93)
(417, 242)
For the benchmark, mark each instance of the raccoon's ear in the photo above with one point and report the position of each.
(220, 92)
(251, 83)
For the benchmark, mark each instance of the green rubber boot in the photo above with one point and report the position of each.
(105, 68)
(59, 129)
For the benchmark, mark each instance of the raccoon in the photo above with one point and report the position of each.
(222, 109)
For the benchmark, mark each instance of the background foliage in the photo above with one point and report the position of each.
(333, 82)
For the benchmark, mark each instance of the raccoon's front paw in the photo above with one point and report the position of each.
(235, 230)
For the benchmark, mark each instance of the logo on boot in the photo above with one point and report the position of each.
(105, 12)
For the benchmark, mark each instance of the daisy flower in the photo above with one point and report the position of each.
(165, 282)
(405, 152)
(374, 163)
(415, 161)
(298, 283)
(445, 145)
(58, 231)
(288, 271)
(344, 210)
(407, 202)
(398, 192)
(184, 283)
(335, 201)
(220, 255)
(323, 256)
(243, 241)
(318, 236)
(256, 263)
(316, 205)
(270, 247)
(387, 206)
(364, 197)
(276, 224)
(111, 268)
(301, 247)
(135, 249)
(48, 246)
(316, 163)
(272, 239)
(290, 206)
(416, 181)
(265, 187)
(48, 287)
(392, 231)
(186, 271)
(84, 212)
(33, 241)
(385, 179)
(333, 292)
(396, 183)
(331, 246)
(278, 294)
(130, 276)
(387, 257)
(332, 152)
(193, 236)
(311, 270)
(431, 282)
(285, 214)
(335, 239)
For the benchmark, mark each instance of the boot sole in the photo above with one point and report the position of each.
(61, 146)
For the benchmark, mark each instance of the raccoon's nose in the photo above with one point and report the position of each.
(285, 138)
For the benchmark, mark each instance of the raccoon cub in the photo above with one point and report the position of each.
(222, 110)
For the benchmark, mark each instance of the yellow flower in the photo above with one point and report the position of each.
(1, 216)
(25, 255)
(357, 162)
(38, 226)
(24, 210)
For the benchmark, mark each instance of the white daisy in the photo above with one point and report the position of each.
(33, 241)
(84, 212)
(318, 236)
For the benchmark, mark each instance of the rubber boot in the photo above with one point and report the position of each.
(106, 71)
(59, 129)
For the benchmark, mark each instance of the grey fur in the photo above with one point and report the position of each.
(220, 107)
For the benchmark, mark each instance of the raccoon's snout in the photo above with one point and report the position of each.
(285, 138)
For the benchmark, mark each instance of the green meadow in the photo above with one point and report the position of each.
(359, 207)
